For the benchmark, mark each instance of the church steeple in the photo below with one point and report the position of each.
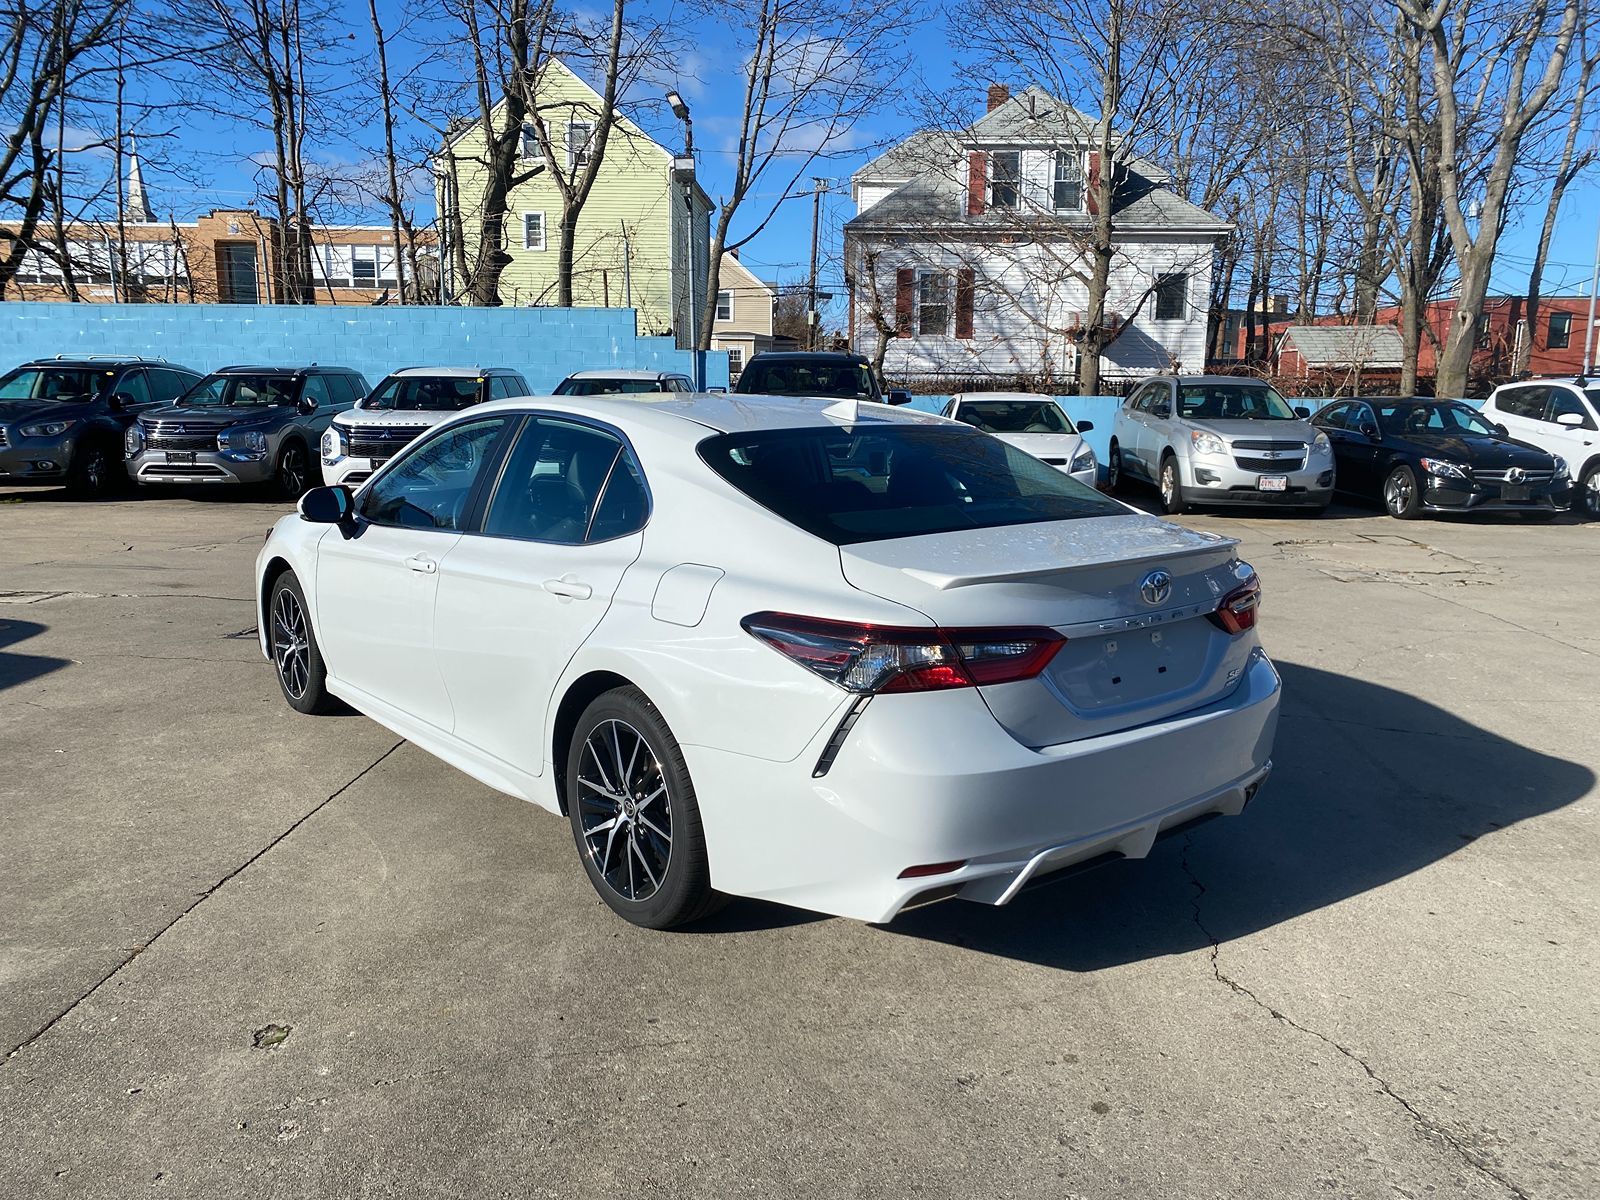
(139, 208)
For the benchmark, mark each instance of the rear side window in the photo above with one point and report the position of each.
(866, 483)
(1523, 402)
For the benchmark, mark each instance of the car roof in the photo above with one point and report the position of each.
(806, 355)
(103, 362)
(689, 416)
(1008, 397)
(450, 372)
(1182, 379)
(626, 373)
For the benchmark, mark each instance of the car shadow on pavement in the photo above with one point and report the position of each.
(1371, 784)
(18, 669)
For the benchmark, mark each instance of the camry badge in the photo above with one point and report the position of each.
(1156, 587)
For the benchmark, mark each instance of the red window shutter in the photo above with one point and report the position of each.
(966, 284)
(977, 179)
(1094, 184)
(905, 282)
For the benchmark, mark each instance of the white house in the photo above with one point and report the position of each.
(966, 253)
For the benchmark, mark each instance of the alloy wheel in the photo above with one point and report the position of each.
(1169, 481)
(291, 468)
(625, 810)
(1114, 468)
(1397, 492)
(94, 469)
(1591, 494)
(291, 643)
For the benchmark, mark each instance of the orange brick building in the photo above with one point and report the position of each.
(228, 256)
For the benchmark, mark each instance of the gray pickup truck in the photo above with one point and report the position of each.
(257, 425)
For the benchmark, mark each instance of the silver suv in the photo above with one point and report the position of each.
(243, 425)
(1218, 439)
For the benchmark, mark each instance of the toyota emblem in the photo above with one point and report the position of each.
(1156, 587)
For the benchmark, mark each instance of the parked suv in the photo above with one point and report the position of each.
(62, 419)
(1561, 417)
(622, 383)
(243, 425)
(361, 440)
(822, 373)
(1218, 439)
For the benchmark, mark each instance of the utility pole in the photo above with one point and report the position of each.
(818, 187)
(1588, 332)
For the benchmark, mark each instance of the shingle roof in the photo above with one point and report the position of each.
(1375, 346)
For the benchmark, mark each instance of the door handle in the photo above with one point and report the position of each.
(422, 563)
(569, 588)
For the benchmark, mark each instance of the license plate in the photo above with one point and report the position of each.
(1272, 483)
(1509, 492)
(185, 457)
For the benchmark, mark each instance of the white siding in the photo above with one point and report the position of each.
(868, 194)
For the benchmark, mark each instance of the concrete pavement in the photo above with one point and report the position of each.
(1380, 981)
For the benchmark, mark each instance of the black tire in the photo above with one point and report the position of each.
(1402, 497)
(296, 657)
(625, 771)
(292, 474)
(1114, 469)
(93, 471)
(1171, 485)
(1586, 502)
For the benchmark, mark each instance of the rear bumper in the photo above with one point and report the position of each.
(932, 778)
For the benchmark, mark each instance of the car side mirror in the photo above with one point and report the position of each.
(897, 396)
(1371, 432)
(327, 505)
(120, 402)
(307, 405)
(1163, 412)
(1085, 426)
(1570, 420)
(1502, 430)
(1302, 412)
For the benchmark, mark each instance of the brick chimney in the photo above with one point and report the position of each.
(999, 93)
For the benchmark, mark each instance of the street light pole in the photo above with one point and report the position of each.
(811, 289)
(683, 170)
(1588, 332)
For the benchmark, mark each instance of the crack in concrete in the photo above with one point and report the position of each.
(201, 898)
(1427, 1126)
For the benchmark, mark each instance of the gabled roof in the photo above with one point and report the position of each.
(911, 157)
(1372, 346)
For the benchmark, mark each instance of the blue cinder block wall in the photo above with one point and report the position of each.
(545, 344)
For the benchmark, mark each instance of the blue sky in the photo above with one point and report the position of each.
(708, 78)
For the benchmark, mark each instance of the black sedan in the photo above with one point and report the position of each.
(1419, 455)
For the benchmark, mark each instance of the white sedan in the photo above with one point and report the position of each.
(845, 657)
(1031, 422)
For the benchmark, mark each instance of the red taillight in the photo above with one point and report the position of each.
(890, 658)
(1238, 609)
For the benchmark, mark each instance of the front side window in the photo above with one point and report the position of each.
(1335, 416)
(933, 303)
(243, 391)
(1232, 402)
(67, 385)
(873, 482)
(725, 305)
(1005, 178)
(424, 393)
(1563, 401)
(1068, 195)
(136, 387)
(430, 485)
(316, 390)
(1560, 334)
(1172, 297)
(557, 486)
(533, 231)
(1015, 416)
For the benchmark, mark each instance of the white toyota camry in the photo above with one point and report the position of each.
(846, 657)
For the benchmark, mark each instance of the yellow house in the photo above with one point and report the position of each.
(743, 325)
(642, 237)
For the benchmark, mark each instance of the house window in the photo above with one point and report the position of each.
(1005, 178)
(533, 231)
(1483, 331)
(735, 360)
(1068, 181)
(579, 134)
(1560, 335)
(1172, 297)
(725, 305)
(933, 303)
(528, 147)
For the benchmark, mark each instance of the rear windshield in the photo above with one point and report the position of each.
(866, 483)
(807, 377)
(1014, 416)
(425, 393)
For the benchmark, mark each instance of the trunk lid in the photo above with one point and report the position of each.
(1128, 659)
